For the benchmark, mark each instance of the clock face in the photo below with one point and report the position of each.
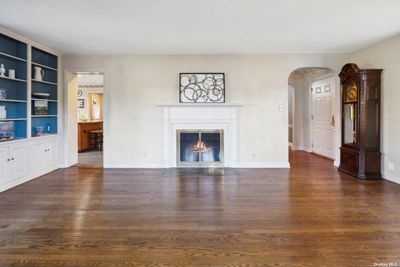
(351, 92)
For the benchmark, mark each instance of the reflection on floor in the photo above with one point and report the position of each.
(91, 159)
(200, 171)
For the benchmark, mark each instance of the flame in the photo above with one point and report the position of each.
(199, 147)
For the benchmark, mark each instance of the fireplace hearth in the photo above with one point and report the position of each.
(200, 148)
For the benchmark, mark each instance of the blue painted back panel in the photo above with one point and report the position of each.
(52, 121)
(14, 89)
(45, 88)
(12, 47)
(18, 66)
(44, 58)
(14, 110)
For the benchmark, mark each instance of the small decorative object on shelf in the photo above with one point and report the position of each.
(41, 95)
(202, 88)
(11, 74)
(3, 93)
(39, 130)
(38, 73)
(360, 154)
(3, 112)
(6, 130)
(2, 70)
(41, 107)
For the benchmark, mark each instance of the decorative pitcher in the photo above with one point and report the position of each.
(38, 73)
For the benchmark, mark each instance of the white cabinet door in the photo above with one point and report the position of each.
(53, 153)
(50, 150)
(38, 156)
(4, 163)
(19, 160)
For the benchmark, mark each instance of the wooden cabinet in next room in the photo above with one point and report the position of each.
(84, 128)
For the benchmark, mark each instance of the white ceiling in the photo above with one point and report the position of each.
(202, 26)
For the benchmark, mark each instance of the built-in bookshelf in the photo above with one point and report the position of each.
(19, 93)
(13, 88)
(44, 82)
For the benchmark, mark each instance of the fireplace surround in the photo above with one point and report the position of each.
(200, 117)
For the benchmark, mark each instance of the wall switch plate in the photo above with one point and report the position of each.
(391, 166)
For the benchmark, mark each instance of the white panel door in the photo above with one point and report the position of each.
(323, 122)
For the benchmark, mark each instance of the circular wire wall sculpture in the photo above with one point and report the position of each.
(202, 88)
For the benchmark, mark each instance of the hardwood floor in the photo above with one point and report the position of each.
(92, 159)
(307, 216)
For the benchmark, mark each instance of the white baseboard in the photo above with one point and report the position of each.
(146, 165)
(281, 165)
(127, 165)
(390, 178)
(336, 163)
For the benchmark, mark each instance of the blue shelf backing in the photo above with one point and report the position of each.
(19, 129)
(45, 88)
(13, 47)
(44, 58)
(18, 66)
(14, 89)
(49, 75)
(14, 110)
(44, 122)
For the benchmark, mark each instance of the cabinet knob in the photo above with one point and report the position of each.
(8, 159)
(12, 158)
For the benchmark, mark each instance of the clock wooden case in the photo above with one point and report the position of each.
(360, 154)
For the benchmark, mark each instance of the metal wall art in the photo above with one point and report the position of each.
(202, 88)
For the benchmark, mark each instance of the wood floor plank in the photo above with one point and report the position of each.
(310, 215)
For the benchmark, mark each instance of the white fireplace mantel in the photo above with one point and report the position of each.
(200, 116)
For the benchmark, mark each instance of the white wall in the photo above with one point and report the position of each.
(135, 84)
(386, 55)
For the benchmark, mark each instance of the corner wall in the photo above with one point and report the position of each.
(386, 55)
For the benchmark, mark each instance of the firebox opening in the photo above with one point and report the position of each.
(200, 148)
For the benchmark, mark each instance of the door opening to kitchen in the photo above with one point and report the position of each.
(90, 112)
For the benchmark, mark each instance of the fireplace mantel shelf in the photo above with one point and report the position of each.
(214, 105)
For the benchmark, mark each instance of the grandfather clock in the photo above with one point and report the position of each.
(360, 154)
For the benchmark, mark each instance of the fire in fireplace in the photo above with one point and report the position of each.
(198, 148)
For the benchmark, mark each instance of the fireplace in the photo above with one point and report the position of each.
(200, 148)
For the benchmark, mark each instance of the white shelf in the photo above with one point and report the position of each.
(45, 82)
(12, 57)
(43, 66)
(12, 79)
(48, 100)
(15, 119)
(13, 100)
(43, 116)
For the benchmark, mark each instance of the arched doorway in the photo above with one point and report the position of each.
(313, 111)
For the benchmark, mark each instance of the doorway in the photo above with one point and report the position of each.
(85, 119)
(312, 111)
(323, 118)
